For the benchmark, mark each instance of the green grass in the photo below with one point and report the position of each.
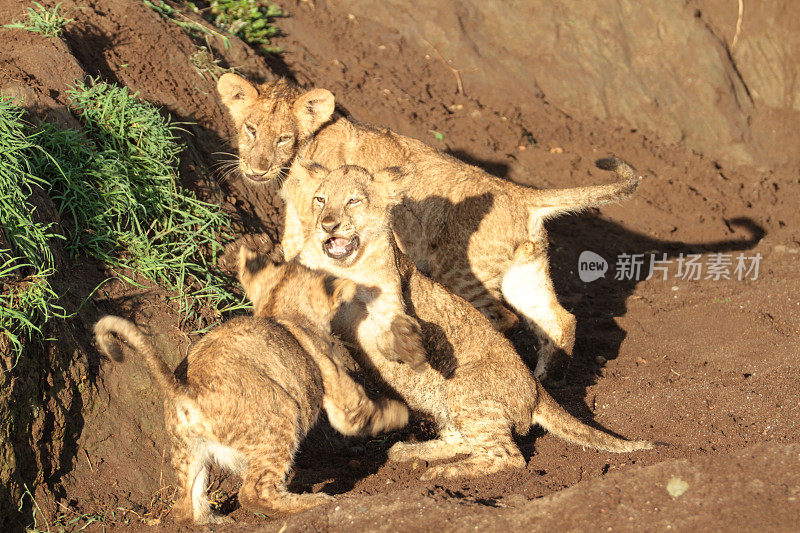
(116, 190)
(115, 184)
(182, 21)
(43, 20)
(250, 20)
(27, 300)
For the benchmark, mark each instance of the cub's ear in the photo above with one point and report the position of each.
(339, 290)
(312, 170)
(393, 174)
(312, 110)
(393, 182)
(237, 93)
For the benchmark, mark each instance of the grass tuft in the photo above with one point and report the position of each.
(115, 186)
(43, 20)
(116, 189)
(27, 299)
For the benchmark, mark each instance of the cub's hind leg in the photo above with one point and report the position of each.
(447, 445)
(527, 287)
(487, 438)
(190, 463)
(270, 454)
(485, 298)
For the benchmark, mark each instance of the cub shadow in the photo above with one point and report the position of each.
(337, 462)
(441, 355)
(596, 304)
(474, 209)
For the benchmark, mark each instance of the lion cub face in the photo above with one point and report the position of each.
(350, 209)
(272, 121)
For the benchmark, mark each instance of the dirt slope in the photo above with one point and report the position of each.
(706, 365)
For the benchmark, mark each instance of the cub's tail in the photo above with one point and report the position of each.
(350, 411)
(111, 330)
(553, 418)
(547, 203)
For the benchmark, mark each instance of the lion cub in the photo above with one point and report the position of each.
(476, 387)
(254, 387)
(480, 236)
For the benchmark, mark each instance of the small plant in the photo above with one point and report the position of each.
(205, 64)
(43, 20)
(182, 21)
(250, 20)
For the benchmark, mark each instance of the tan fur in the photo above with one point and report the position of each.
(479, 235)
(304, 302)
(254, 386)
(476, 387)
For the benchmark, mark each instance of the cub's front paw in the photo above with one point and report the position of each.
(261, 244)
(407, 343)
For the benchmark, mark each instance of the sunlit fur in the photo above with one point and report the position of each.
(481, 236)
(253, 388)
(475, 386)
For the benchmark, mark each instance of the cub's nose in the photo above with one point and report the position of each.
(329, 224)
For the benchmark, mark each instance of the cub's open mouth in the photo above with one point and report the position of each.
(340, 247)
(260, 178)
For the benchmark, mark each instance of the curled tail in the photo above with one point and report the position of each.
(556, 420)
(350, 411)
(110, 329)
(547, 203)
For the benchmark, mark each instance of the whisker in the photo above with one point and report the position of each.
(225, 165)
(226, 175)
(223, 168)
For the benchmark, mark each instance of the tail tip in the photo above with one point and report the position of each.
(649, 444)
(623, 169)
(107, 342)
(608, 163)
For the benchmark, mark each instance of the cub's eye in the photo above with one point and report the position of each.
(319, 200)
(283, 139)
(354, 201)
(249, 128)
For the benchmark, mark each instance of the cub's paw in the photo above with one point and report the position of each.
(283, 502)
(407, 343)
(261, 244)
